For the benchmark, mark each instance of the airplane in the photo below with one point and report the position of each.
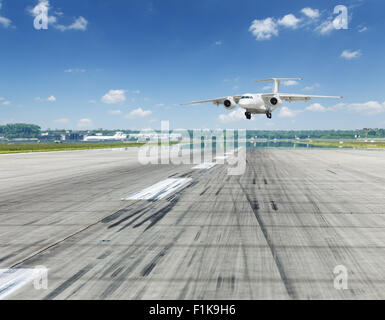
(117, 137)
(261, 103)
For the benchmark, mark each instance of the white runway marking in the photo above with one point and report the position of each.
(13, 279)
(159, 190)
(221, 158)
(206, 165)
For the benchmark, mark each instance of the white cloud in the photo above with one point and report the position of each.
(91, 101)
(115, 112)
(233, 116)
(114, 96)
(290, 83)
(74, 70)
(367, 108)
(62, 120)
(264, 29)
(218, 43)
(285, 112)
(289, 21)
(84, 123)
(5, 22)
(6, 103)
(136, 91)
(362, 29)
(326, 27)
(79, 24)
(50, 99)
(316, 107)
(138, 113)
(311, 13)
(160, 105)
(349, 54)
(311, 88)
(267, 88)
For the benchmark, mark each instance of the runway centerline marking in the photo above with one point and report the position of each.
(205, 165)
(159, 190)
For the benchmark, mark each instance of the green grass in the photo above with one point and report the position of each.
(44, 147)
(346, 144)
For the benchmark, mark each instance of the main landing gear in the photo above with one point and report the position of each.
(268, 114)
(248, 115)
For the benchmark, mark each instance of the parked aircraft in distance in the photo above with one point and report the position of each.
(117, 137)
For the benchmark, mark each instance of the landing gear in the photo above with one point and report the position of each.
(248, 115)
(268, 114)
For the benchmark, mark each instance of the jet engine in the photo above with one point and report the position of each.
(275, 101)
(229, 103)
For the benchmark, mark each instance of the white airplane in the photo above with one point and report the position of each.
(117, 137)
(261, 103)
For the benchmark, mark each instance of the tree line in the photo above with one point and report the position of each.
(20, 130)
(24, 130)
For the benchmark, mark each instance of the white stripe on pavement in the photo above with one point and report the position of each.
(206, 165)
(159, 190)
(13, 279)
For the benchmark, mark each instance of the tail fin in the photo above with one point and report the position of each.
(277, 82)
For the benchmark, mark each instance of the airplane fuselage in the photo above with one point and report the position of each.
(255, 104)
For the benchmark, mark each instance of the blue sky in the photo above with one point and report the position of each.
(129, 64)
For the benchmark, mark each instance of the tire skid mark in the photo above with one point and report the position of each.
(274, 205)
(281, 269)
(243, 249)
(219, 190)
(149, 267)
(156, 217)
(117, 282)
(204, 191)
(66, 284)
(128, 217)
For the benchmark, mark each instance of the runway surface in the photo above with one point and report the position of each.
(277, 231)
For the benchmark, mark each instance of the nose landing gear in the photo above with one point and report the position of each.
(248, 115)
(268, 114)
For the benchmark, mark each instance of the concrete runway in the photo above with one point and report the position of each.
(276, 232)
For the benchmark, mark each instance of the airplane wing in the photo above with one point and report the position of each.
(217, 101)
(296, 97)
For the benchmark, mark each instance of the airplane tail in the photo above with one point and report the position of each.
(277, 82)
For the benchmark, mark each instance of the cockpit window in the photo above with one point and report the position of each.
(247, 97)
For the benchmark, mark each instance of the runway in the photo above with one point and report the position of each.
(105, 228)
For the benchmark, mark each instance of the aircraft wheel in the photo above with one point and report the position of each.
(248, 115)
